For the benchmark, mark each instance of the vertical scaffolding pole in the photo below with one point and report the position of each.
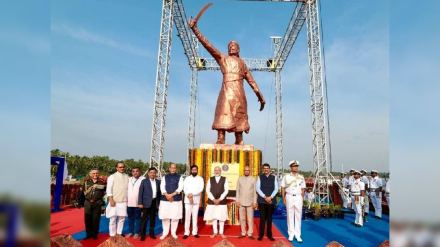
(276, 43)
(161, 89)
(321, 141)
(192, 113)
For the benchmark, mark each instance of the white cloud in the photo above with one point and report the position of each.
(84, 35)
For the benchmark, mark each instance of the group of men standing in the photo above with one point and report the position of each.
(358, 189)
(140, 199)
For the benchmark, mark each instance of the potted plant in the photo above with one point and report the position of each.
(325, 212)
(316, 211)
(331, 210)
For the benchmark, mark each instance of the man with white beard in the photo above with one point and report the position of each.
(217, 210)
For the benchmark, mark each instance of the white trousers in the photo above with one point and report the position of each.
(367, 203)
(116, 228)
(388, 200)
(358, 210)
(191, 212)
(377, 203)
(294, 206)
(166, 227)
(344, 198)
(214, 226)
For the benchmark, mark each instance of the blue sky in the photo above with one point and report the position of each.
(103, 72)
(25, 98)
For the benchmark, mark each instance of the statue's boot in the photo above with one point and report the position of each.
(239, 138)
(220, 137)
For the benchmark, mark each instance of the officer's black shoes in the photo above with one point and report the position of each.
(271, 238)
(142, 238)
(260, 238)
(152, 237)
(197, 236)
(185, 236)
(241, 236)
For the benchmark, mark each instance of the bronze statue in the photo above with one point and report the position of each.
(231, 110)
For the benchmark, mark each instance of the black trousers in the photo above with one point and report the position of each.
(266, 211)
(92, 217)
(151, 213)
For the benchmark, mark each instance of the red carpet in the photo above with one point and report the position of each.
(70, 221)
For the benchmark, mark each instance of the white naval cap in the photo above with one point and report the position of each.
(293, 163)
(356, 171)
(374, 171)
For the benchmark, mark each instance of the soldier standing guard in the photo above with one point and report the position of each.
(94, 190)
(376, 193)
(366, 181)
(357, 190)
(293, 186)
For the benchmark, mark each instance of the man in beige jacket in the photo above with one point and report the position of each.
(246, 201)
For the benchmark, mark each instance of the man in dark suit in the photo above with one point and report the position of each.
(149, 198)
(267, 188)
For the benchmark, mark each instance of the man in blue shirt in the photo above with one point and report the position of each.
(267, 188)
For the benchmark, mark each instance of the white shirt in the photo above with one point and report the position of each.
(153, 187)
(193, 185)
(223, 195)
(133, 191)
(345, 182)
(260, 192)
(294, 184)
(350, 180)
(356, 187)
(310, 196)
(163, 183)
(376, 182)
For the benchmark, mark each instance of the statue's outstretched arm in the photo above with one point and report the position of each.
(211, 49)
(250, 79)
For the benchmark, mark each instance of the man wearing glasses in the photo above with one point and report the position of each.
(116, 211)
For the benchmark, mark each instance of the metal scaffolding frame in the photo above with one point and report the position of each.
(173, 10)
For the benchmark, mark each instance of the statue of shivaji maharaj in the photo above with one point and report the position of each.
(231, 110)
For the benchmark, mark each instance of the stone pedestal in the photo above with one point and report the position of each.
(231, 159)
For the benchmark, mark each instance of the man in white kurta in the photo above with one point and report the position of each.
(117, 188)
(217, 209)
(133, 211)
(376, 193)
(357, 191)
(192, 187)
(292, 189)
(170, 207)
